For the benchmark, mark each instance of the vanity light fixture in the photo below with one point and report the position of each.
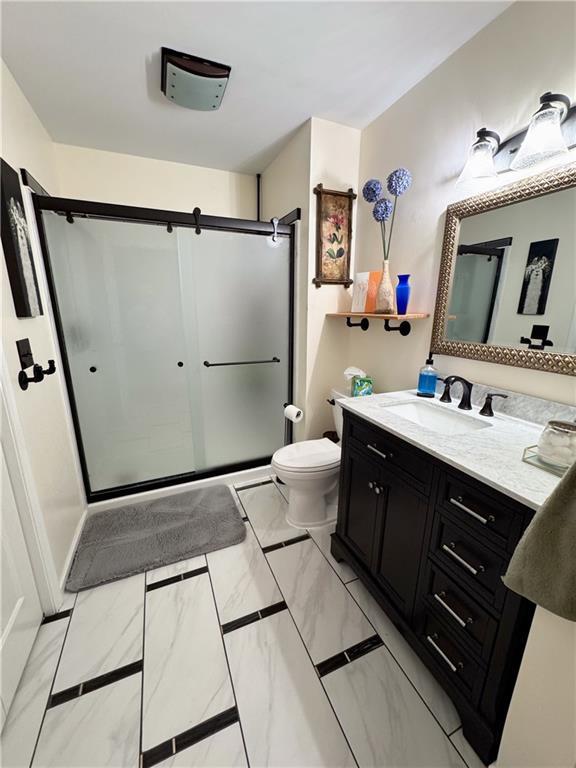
(480, 163)
(544, 139)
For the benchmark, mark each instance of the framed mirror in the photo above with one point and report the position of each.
(507, 284)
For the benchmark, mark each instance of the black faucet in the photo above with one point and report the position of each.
(487, 407)
(465, 403)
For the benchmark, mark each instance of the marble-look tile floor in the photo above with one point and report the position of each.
(268, 653)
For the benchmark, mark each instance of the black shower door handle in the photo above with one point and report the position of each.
(242, 362)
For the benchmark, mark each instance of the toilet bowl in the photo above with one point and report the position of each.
(310, 471)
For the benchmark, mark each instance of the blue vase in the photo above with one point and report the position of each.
(402, 294)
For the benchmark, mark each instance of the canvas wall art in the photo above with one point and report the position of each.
(365, 290)
(333, 236)
(537, 277)
(16, 246)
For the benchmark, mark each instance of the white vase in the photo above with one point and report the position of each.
(386, 295)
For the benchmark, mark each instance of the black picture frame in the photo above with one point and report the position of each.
(541, 256)
(16, 245)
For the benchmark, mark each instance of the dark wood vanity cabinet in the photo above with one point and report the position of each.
(382, 521)
(431, 544)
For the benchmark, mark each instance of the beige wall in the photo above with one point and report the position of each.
(494, 80)
(320, 152)
(335, 155)
(285, 186)
(111, 177)
(41, 409)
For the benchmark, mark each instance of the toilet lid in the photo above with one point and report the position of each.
(308, 456)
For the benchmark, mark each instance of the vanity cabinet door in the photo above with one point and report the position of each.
(401, 527)
(358, 507)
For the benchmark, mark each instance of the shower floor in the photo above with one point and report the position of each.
(267, 653)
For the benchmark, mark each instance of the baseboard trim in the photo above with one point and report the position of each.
(71, 551)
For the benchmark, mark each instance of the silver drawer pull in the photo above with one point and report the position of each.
(377, 490)
(438, 598)
(370, 484)
(375, 450)
(450, 550)
(458, 503)
(441, 653)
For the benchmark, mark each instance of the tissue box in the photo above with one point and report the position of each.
(362, 385)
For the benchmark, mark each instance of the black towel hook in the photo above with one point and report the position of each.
(197, 213)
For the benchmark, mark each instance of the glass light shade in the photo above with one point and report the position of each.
(544, 139)
(480, 163)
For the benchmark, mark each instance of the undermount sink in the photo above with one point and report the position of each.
(435, 418)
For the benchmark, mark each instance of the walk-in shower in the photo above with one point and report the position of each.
(176, 337)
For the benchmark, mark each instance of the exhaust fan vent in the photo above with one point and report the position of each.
(192, 82)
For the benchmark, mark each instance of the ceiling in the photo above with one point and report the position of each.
(91, 70)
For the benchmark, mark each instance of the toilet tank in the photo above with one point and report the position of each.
(337, 411)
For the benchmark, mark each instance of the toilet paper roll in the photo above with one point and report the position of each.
(293, 413)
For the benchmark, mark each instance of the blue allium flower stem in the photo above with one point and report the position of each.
(392, 222)
(383, 230)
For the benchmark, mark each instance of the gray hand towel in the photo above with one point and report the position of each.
(543, 566)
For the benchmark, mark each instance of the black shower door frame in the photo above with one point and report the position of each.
(156, 217)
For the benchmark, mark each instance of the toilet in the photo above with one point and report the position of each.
(310, 471)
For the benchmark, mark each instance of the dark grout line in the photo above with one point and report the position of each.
(226, 654)
(250, 618)
(56, 617)
(460, 755)
(287, 543)
(349, 655)
(308, 652)
(141, 718)
(94, 684)
(190, 737)
(175, 579)
(422, 699)
(252, 485)
(330, 563)
(51, 689)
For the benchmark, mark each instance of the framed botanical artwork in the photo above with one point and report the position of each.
(333, 236)
(16, 246)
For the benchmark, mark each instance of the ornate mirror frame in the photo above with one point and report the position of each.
(536, 186)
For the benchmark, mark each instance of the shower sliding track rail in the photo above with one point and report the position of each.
(160, 217)
(242, 362)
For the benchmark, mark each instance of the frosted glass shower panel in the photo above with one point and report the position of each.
(235, 293)
(118, 290)
(472, 298)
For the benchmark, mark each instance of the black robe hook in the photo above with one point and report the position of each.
(197, 213)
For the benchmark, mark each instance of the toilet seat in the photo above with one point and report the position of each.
(308, 456)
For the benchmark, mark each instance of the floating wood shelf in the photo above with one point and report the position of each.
(404, 328)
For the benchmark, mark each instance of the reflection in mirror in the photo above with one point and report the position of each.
(514, 279)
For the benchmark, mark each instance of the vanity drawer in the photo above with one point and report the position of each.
(392, 453)
(472, 623)
(459, 666)
(478, 566)
(481, 511)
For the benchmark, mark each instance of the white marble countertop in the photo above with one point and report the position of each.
(492, 455)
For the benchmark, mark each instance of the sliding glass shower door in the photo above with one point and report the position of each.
(177, 345)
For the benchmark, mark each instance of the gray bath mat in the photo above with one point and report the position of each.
(138, 537)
